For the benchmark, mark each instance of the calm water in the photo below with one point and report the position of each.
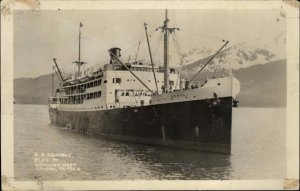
(258, 151)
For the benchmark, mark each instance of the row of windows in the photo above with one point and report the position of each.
(172, 71)
(82, 87)
(94, 95)
(77, 99)
(118, 81)
(82, 109)
(101, 107)
(118, 67)
(143, 69)
(124, 106)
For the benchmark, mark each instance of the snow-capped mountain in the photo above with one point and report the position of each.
(241, 55)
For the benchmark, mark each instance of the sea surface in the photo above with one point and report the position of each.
(258, 152)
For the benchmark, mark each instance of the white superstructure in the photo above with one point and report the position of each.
(113, 87)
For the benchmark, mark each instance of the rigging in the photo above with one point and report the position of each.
(137, 51)
(217, 67)
(117, 59)
(211, 58)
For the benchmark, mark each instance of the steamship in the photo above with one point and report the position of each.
(145, 103)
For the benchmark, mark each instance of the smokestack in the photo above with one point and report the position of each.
(114, 53)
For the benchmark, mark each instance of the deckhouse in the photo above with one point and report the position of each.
(113, 87)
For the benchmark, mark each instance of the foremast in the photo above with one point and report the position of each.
(79, 62)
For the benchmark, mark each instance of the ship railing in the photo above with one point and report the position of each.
(76, 91)
(195, 84)
(79, 101)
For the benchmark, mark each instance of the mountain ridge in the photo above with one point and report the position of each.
(262, 85)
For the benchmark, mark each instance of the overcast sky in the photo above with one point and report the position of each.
(41, 36)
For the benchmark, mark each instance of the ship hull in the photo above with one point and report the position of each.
(195, 125)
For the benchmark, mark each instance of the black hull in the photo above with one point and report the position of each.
(172, 124)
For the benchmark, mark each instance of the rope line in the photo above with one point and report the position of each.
(157, 48)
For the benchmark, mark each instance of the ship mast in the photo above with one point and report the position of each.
(52, 80)
(166, 30)
(151, 58)
(79, 62)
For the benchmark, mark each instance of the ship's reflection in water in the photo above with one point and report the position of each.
(165, 163)
(258, 151)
